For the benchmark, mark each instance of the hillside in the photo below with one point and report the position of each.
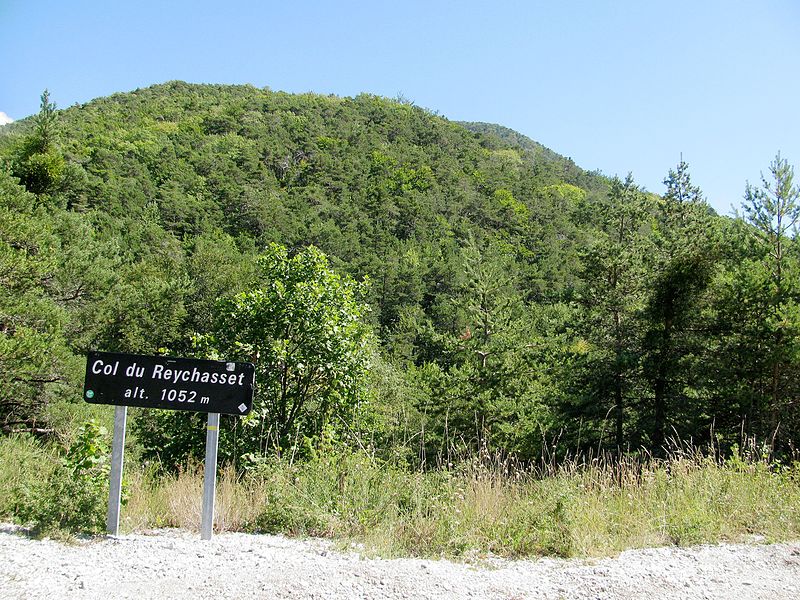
(355, 176)
(535, 152)
(515, 298)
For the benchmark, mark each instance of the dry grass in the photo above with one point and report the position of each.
(589, 508)
(175, 500)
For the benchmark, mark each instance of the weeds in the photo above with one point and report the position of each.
(72, 496)
(23, 462)
(587, 506)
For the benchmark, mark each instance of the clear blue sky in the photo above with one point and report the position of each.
(618, 86)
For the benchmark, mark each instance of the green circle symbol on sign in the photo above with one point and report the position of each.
(90, 394)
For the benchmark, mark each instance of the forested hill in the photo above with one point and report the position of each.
(365, 179)
(515, 298)
(536, 152)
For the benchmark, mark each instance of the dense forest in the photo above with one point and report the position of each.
(428, 288)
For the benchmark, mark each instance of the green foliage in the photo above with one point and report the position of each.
(302, 324)
(39, 164)
(517, 209)
(72, 498)
(514, 297)
(34, 359)
(25, 463)
(173, 440)
(303, 327)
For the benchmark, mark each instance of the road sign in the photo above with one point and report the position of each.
(172, 383)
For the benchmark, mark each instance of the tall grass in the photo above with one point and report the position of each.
(174, 500)
(587, 507)
(584, 508)
(23, 463)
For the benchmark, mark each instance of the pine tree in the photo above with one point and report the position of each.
(680, 269)
(773, 211)
(612, 297)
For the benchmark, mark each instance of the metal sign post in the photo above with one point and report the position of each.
(210, 476)
(117, 458)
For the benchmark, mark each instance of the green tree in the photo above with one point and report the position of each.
(680, 269)
(303, 328)
(486, 389)
(606, 378)
(33, 352)
(39, 164)
(45, 123)
(492, 310)
(773, 211)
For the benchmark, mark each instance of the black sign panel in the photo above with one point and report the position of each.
(173, 383)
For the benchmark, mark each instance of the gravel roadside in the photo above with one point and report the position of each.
(177, 564)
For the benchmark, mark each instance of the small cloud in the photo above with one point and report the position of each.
(5, 119)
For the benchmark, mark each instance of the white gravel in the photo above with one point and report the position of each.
(177, 564)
